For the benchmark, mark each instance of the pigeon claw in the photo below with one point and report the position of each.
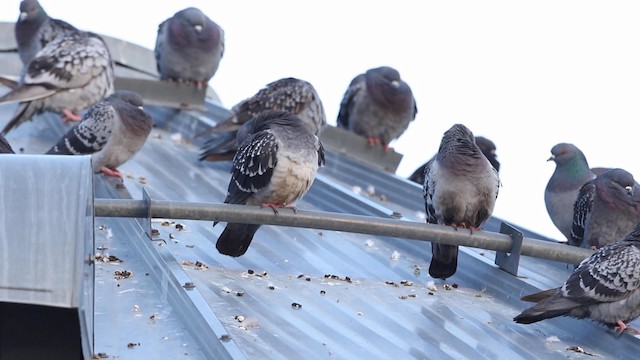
(373, 141)
(275, 207)
(111, 172)
(68, 115)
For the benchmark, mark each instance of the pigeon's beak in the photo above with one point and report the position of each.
(141, 107)
(198, 28)
(395, 83)
(629, 189)
(552, 158)
(23, 15)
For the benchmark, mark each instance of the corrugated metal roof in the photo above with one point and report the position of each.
(359, 296)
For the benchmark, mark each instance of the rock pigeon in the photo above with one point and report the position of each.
(377, 105)
(605, 288)
(189, 47)
(274, 166)
(295, 96)
(5, 147)
(460, 190)
(487, 147)
(35, 29)
(112, 131)
(572, 171)
(607, 208)
(68, 75)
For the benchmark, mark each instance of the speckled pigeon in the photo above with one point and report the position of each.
(572, 171)
(68, 75)
(295, 96)
(487, 147)
(605, 288)
(35, 29)
(189, 47)
(112, 131)
(274, 166)
(5, 147)
(607, 208)
(460, 190)
(377, 105)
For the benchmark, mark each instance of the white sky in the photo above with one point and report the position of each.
(527, 75)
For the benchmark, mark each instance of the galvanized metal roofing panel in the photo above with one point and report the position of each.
(359, 295)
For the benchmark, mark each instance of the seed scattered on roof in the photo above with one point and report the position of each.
(296, 305)
(122, 274)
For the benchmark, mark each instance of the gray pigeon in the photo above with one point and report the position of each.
(5, 147)
(189, 47)
(605, 288)
(35, 29)
(377, 105)
(68, 75)
(607, 208)
(460, 190)
(274, 166)
(112, 131)
(572, 171)
(295, 96)
(487, 147)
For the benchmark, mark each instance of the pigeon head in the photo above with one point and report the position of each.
(130, 107)
(488, 148)
(457, 136)
(190, 25)
(386, 87)
(621, 182)
(129, 97)
(570, 160)
(30, 10)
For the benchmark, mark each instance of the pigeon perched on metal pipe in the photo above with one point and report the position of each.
(571, 172)
(189, 47)
(274, 166)
(460, 190)
(112, 131)
(378, 105)
(607, 208)
(487, 147)
(605, 288)
(68, 75)
(35, 29)
(295, 96)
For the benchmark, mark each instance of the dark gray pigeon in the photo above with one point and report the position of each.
(112, 131)
(35, 29)
(68, 75)
(572, 171)
(189, 47)
(5, 147)
(607, 208)
(487, 147)
(295, 96)
(377, 105)
(460, 190)
(274, 166)
(605, 288)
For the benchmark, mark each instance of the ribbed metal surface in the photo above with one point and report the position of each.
(359, 296)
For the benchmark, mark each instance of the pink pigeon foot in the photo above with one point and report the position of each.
(111, 172)
(68, 115)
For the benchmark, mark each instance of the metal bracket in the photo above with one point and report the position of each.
(510, 262)
(145, 222)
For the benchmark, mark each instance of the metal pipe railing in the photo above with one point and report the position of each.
(337, 222)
